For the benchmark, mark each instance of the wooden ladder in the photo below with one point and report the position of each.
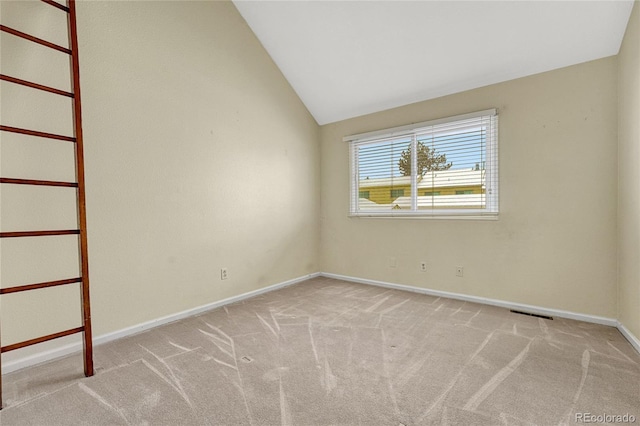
(79, 184)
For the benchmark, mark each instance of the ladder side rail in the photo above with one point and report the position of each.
(82, 208)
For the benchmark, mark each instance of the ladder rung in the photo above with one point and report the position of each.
(38, 182)
(56, 4)
(28, 287)
(38, 233)
(37, 133)
(35, 85)
(34, 39)
(41, 339)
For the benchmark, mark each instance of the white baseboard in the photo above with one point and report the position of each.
(482, 300)
(635, 342)
(76, 346)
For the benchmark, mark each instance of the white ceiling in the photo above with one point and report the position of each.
(349, 58)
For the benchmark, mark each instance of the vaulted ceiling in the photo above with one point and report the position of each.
(349, 58)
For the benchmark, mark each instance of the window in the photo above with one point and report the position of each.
(395, 193)
(440, 168)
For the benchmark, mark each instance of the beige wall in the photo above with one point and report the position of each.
(199, 155)
(554, 244)
(629, 176)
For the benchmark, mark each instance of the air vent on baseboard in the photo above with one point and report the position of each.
(532, 315)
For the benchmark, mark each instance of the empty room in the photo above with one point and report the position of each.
(319, 212)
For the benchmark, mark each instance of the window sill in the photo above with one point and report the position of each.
(486, 216)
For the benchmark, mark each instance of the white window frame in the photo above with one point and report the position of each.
(491, 180)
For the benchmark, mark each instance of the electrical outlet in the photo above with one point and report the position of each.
(423, 266)
(392, 262)
(459, 271)
(224, 273)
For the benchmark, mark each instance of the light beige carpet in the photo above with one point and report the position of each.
(331, 352)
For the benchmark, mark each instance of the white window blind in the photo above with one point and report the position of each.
(440, 168)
